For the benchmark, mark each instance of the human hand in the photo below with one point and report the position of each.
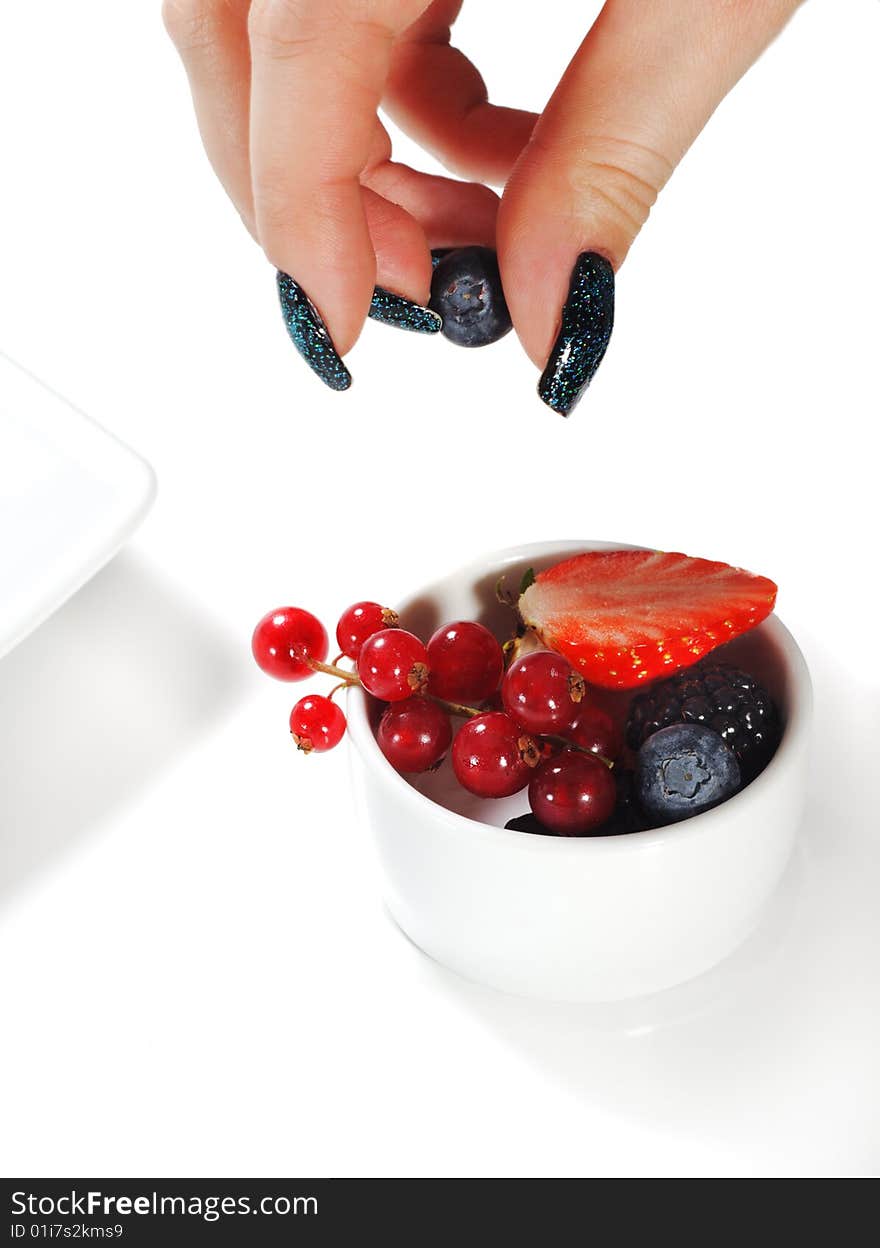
(287, 93)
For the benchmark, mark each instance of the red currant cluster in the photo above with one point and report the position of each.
(529, 725)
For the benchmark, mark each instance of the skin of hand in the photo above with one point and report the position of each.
(287, 94)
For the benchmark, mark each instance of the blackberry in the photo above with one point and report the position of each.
(720, 697)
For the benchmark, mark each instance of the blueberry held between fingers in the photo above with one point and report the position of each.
(466, 291)
(683, 770)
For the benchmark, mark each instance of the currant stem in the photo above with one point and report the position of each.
(331, 669)
(455, 708)
(573, 745)
(348, 678)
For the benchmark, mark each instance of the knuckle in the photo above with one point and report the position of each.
(615, 180)
(192, 24)
(274, 22)
(287, 28)
(626, 196)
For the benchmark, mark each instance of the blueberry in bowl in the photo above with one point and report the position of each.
(683, 770)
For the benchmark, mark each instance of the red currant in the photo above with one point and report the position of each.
(393, 665)
(572, 794)
(594, 729)
(466, 662)
(492, 757)
(542, 692)
(316, 723)
(360, 621)
(284, 638)
(414, 735)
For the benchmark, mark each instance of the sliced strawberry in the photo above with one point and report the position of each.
(624, 617)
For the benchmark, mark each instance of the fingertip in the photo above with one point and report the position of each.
(544, 227)
(484, 204)
(340, 306)
(403, 261)
(321, 239)
(309, 333)
(450, 213)
(586, 322)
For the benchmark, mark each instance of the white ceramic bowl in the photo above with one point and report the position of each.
(578, 919)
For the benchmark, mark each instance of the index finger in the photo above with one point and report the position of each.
(318, 70)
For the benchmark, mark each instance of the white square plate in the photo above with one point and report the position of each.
(70, 495)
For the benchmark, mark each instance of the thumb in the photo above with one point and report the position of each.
(639, 90)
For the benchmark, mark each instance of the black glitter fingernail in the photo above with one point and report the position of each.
(309, 334)
(587, 320)
(393, 309)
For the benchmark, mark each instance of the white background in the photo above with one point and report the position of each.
(199, 976)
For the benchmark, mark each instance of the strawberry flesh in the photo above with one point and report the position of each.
(625, 617)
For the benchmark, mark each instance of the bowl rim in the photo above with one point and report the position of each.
(793, 738)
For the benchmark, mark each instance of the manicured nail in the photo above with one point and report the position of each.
(587, 320)
(309, 334)
(393, 309)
